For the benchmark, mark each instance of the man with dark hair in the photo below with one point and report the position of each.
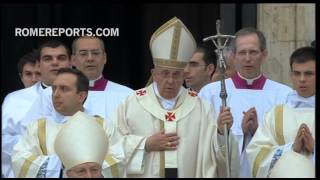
(28, 68)
(287, 135)
(53, 56)
(230, 67)
(200, 68)
(89, 56)
(246, 88)
(34, 154)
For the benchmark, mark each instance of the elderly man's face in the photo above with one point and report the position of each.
(169, 81)
(85, 170)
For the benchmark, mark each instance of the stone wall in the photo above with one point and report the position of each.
(286, 27)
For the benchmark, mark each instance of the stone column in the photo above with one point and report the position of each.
(286, 27)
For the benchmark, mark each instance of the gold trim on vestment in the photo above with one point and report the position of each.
(162, 155)
(161, 29)
(99, 120)
(169, 63)
(109, 159)
(261, 155)
(175, 41)
(26, 165)
(113, 166)
(42, 135)
(279, 124)
(178, 27)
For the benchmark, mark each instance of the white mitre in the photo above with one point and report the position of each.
(293, 165)
(80, 140)
(172, 45)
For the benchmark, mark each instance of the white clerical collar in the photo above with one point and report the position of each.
(91, 82)
(38, 87)
(44, 86)
(249, 81)
(294, 100)
(167, 104)
(60, 118)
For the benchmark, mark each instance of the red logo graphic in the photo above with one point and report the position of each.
(141, 92)
(170, 116)
(193, 93)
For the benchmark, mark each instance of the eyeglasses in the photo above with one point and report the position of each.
(85, 53)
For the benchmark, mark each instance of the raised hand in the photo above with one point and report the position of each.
(249, 123)
(225, 117)
(307, 139)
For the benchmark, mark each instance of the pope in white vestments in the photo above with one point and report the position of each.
(198, 154)
(200, 151)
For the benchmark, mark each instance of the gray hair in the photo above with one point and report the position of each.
(247, 31)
